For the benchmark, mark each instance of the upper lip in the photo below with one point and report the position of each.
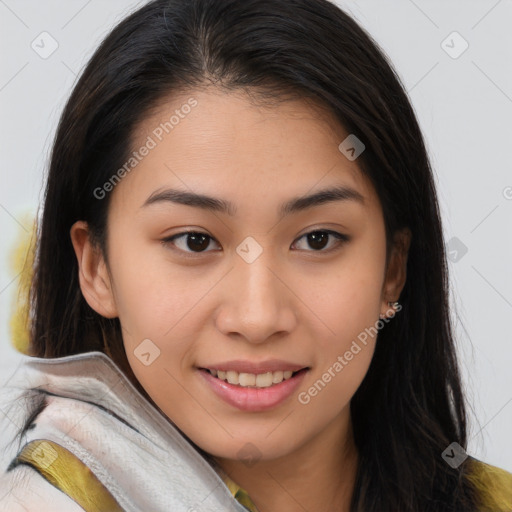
(241, 366)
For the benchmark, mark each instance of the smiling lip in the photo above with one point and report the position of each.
(253, 399)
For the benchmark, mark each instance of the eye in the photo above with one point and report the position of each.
(190, 241)
(319, 238)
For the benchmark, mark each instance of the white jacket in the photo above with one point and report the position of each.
(93, 411)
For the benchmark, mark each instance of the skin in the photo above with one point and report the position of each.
(294, 302)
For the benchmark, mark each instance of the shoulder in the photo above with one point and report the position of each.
(24, 490)
(493, 484)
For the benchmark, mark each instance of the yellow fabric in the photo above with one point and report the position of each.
(240, 494)
(494, 486)
(69, 474)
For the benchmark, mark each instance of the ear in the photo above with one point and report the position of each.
(93, 276)
(396, 272)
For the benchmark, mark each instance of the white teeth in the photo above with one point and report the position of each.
(264, 380)
(247, 379)
(277, 377)
(261, 380)
(232, 377)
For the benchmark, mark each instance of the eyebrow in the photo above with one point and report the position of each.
(294, 205)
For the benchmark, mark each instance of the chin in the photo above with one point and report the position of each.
(247, 449)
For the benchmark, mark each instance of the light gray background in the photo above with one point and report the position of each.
(464, 106)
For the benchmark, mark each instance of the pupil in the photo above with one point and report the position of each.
(199, 239)
(315, 239)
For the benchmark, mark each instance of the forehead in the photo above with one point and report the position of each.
(226, 145)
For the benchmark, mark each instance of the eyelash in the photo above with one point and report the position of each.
(341, 238)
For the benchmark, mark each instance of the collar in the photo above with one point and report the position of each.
(114, 439)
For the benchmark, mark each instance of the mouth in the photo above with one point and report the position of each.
(251, 392)
(254, 380)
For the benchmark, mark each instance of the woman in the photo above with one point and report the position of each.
(240, 290)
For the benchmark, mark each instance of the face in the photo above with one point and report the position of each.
(272, 284)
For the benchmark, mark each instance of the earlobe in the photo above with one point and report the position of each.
(396, 273)
(92, 272)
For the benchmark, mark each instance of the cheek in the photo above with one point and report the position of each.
(342, 351)
(346, 303)
(149, 295)
(345, 299)
(330, 391)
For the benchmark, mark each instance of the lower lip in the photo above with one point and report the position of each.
(251, 398)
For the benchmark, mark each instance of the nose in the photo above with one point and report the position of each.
(257, 303)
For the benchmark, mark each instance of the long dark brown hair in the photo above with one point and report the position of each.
(410, 406)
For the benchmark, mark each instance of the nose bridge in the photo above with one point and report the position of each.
(252, 270)
(257, 282)
(256, 304)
